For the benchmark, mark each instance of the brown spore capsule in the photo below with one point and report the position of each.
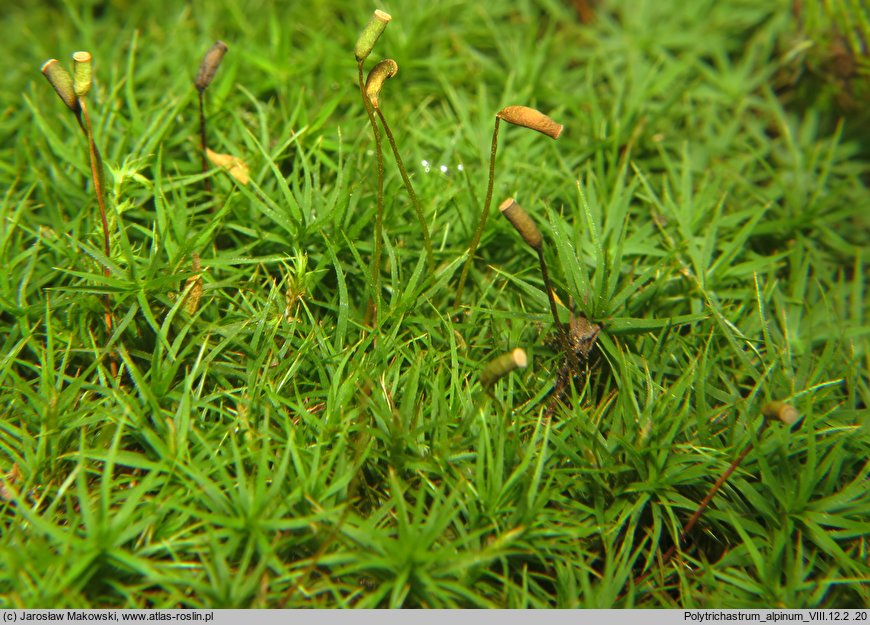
(375, 81)
(209, 66)
(523, 223)
(531, 118)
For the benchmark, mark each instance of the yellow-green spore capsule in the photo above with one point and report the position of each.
(82, 77)
(380, 73)
(370, 34)
(502, 365)
(780, 411)
(62, 82)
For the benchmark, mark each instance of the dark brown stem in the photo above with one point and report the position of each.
(427, 241)
(702, 506)
(478, 233)
(98, 176)
(560, 327)
(202, 140)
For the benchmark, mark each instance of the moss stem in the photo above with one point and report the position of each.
(702, 506)
(375, 297)
(202, 141)
(427, 241)
(98, 176)
(560, 327)
(487, 203)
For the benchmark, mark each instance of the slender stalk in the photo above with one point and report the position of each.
(487, 203)
(528, 230)
(427, 241)
(202, 140)
(560, 327)
(375, 297)
(97, 173)
(98, 176)
(702, 506)
(72, 90)
(206, 73)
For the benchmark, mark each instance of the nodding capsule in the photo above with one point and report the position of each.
(62, 82)
(531, 118)
(380, 72)
(209, 66)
